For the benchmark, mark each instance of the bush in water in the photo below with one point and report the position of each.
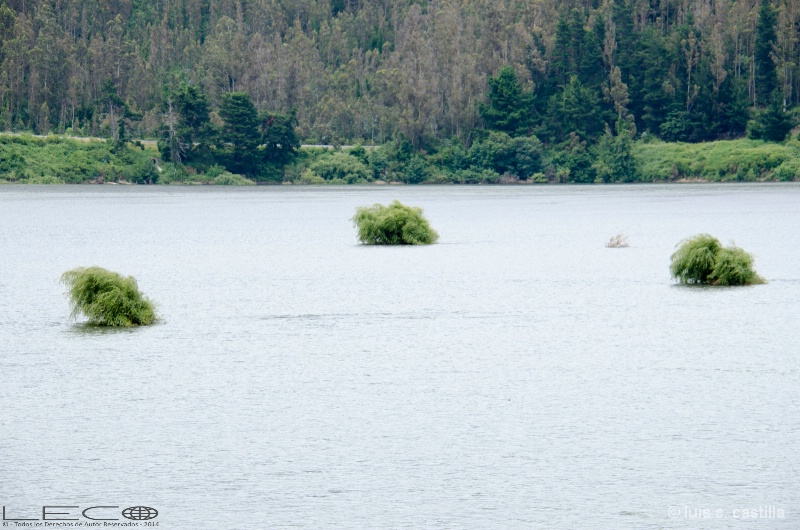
(703, 260)
(107, 298)
(396, 224)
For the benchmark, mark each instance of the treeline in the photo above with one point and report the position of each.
(497, 158)
(423, 71)
(248, 142)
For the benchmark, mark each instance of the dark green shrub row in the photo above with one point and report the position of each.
(494, 157)
(498, 158)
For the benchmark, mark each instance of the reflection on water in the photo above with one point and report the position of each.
(518, 374)
(85, 328)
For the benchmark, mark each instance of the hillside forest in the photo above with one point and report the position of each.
(518, 87)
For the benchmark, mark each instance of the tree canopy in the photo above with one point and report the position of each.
(373, 72)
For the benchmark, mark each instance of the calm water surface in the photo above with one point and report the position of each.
(516, 375)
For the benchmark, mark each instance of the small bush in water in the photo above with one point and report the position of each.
(396, 224)
(702, 259)
(695, 258)
(618, 241)
(734, 266)
(107, 298)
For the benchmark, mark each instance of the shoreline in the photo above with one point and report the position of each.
(524, 183)
(30, 159)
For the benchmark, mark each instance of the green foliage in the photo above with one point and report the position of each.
(451, 156)
(279, 137)
(578, 52)
(107, 298)
(47, 179)
(192, 108)
(230, 179)
(703, 260)
(381, 163)
(695, 259)
(25, 159)
(651, 87)
(574, 161)
(339, 166)
(414, 171)
(771, 124)
(359, 152)
(740, 160)
(466, 176)
(788, 170)
(521, 156)
(509, 108)
(372, 72)
(240, 134)
(138, 170)
(677, 127)
(614, 160)
(493, 158)
(174, 174)
(389, 161)
(575, 110)
(215, 171)
(765, 76)
(395, 224)
(187, 132)
(256, 145)
(734, 266)
(309, 177)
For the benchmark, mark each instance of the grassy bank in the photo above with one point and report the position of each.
(28, 160)
(495, 160)
(730, 160)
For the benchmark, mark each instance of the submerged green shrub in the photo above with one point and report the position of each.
(107, 298)
(702, 259)
(734, 267)
(694, 260)
(396, 224)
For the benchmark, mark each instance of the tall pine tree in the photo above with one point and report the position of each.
(240, 134)
(765, 77)
(509, 109)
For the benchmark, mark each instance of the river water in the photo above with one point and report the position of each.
(517, 374)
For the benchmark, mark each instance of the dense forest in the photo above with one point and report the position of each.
(438, 76)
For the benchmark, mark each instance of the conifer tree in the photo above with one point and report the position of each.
(240, 133)
(765, 76)
(509, 109)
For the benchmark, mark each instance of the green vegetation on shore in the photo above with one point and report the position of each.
(469, 92)
(54, 160)
(703, 260)
(395, 224)
(107, 298)
(732, 160)
(496, 158)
